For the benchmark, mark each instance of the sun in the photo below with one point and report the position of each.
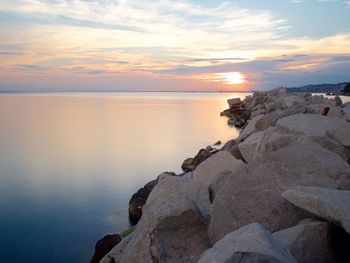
(231, 78)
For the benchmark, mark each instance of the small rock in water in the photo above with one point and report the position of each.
(103, 246)
(233, 102)
(191, 163)
(217, 143)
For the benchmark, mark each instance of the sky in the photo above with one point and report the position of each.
(163, 45)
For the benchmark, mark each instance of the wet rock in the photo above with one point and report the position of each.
(103, 246)
(191, 163)
(217, 143)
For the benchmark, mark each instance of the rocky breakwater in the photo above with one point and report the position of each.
(280, 192)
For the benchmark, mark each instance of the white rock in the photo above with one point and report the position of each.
(217, 163)
(247, 244)
(329, 204)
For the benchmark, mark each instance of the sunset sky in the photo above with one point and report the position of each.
(172, 45)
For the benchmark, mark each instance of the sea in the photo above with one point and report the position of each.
(69, 162)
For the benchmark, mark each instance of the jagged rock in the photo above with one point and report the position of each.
(232, 147)
(191, 163)
(139, 198)
(329, 204)
(317, 126)
(251, 243)
(233, 102)
(219, 162)
(218, 182)
(173, 226)
(103, 246)
(308, 242)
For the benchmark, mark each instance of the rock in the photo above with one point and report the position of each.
(191, 163)
(219, 162)
(232, 147)
(271, 118)
(139, 198)
(249, 147)
(233, 102)
(218, 182)
(188, 165)
(328, 204)
(209, 148)
(173, 226)
(217, 143)
(317, 126)
(309, 241)
(325, 111)
(257, 112)
(293, 99)
(281, 161)
(338, 101)
(231, 121)
(249, 195)
(103, 246)
(250, 128)
(251, 243)
(239, 123)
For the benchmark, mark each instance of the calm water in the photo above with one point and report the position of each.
(70, 162)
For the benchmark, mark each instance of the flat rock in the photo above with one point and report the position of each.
(308, 242)
(328, 204)
(251, 243)
(217, 163)
(233, 102)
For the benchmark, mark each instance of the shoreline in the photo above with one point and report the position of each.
(270, 114)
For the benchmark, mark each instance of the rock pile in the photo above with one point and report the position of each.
(280, 192)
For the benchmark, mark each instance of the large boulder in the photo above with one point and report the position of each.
(219, 162)
(251, 243)
(308, 242)
(328, 204)
(317, 126)
(173, 226)
(139, 199)
(250, 195)
(253, 193)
